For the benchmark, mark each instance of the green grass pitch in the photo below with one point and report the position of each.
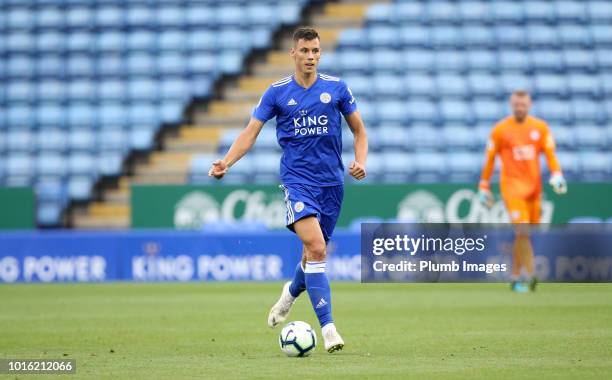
(218, 330)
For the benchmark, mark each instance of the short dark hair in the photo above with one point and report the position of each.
(305, 33)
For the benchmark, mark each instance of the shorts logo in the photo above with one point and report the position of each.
(535, 135)
(299, 206)
(325, 97)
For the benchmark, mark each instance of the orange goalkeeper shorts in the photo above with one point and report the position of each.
(523, 210)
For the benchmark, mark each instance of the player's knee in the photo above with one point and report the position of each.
(315, 249)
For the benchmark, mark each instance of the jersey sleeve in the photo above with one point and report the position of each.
(347, 103)
(266, 108)
(548, 147)
(493, 146)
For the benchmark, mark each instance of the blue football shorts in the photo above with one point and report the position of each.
(323, 202)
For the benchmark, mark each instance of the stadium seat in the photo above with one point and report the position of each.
(418, 60)
(430, 167)
(507, 12)
(395, 137)
(423, 138)
(388, 86)
(464, 167)
(420, 85)
(80, 188)
(595, 166)
(398, 167)
(572, 11)
(474, 11)
(591, 137)
(600, 11)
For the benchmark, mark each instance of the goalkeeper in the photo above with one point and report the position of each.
(518, 140)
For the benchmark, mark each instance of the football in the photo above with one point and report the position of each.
(297, 339)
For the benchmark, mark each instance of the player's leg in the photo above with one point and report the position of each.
(317, 283)
(519, 217)
(534, 206)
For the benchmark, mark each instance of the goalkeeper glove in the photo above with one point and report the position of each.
(484, 194)
(558, 183)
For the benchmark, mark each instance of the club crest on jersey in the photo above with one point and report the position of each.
(325, 97)
(535, 135)
(299, 206)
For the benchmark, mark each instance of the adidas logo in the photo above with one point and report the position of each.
(321, 304)
(292, 102)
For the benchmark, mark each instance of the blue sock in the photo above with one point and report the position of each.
(298, 284)
(317, 286)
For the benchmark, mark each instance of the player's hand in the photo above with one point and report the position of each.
(558, 183)
(218, 169)
(357, 170)
(486, 198)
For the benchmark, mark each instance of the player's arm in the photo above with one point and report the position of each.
(484, 186)
(239, 148)
(557, 181)
(264, 111)
(357, 127)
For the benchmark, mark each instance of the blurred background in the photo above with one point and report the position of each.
(112, 111)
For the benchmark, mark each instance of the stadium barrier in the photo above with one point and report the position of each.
(69, 256)
(17, 205)
(191, 206)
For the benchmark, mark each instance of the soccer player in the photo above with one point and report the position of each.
(519, 139)
(308, 107)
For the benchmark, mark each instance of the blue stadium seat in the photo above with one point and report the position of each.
(604, 59)
(50, 190)
(110, 65)
(171, 16)
(549, 84)
(50, 115)
(227, 138)
(564, 137)
(475, 11)
(443, 12)
(572, 11)
(478, 37)
(50, 42)
(80, 188)
(140, 89)
(540, 11)
(81, 114)
(260, 14)
(79, 66)
(266, 141)
(514, 60)
(109, 17)
(50, 66)
(415, 36)
(596, 166)
(141, 138)
(266, 167)
(508, 12)
(51, 165)
(388, 60)
(82, 164)
(460, 138)
(600, 11)
(112, 90)
(580, 60)
(408, 12)
(80, 41)
(143, 113)
(230, 62)
(446, 37)
(230, 15)
(452, 86)
(451, 60)
(454, 111)
(20, 18)
(422, 111)
(353, 38)
(172, 40)
(422, 138)
(581, 84)
(52, 140)
(49, 214)
(110, 42)
(79, 16)
(394, 137)
(109, 163)
(602, 34)
(546, 60)
(111, 114)
(19, 141)
(483, 85)
(481, 60)
(511, 82)
(381, 14)
(50, 17)
(510, 36)
(574, 35)
(464, 167)
(418, 60)
(570, 165)
(398, 167)
(82, 140)
(487, 111)
(388, 86)
(383, 37)
(111, 140)
(553, 111)
(430, 167)
(421, 85)
(591, 137)
(354, 61)
(361, 86)
(19, 66)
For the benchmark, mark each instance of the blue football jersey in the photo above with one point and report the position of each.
(308, 128)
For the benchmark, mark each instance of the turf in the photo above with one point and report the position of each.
(217, 330)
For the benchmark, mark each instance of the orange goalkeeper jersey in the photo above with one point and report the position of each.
(519, 146)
